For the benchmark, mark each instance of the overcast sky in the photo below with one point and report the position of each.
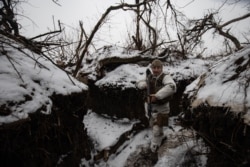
(40, 15)
(42, 12)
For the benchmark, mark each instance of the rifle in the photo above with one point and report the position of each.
(148, 73)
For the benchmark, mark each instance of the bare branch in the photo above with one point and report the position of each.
(8, 21)
(56, 2)
(123, 6)
(13, 65)
(208, 22)
(48, 33)
(235, 20)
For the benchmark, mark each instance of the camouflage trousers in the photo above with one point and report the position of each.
(157, 121)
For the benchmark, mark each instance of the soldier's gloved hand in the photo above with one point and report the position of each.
(141, 85)
(153, 98)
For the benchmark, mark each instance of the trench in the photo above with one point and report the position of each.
(127, 103)
(60, 139)
(57, 139)
(226, 135)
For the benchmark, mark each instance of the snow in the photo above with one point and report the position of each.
(28, 80)
(124, 76)
(222, 91)
(127, 75)
(226, 85)
(104, 132)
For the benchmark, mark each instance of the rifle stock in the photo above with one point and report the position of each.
(148, 72)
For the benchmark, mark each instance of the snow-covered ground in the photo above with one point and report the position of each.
(218, 74)
(27, 81)
(104, 132)
(226, 84)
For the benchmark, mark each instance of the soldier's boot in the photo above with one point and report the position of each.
(156, 138)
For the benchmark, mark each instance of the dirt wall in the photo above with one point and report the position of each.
(44, 140)
(225, 133)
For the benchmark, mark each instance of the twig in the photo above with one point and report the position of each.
(216, 148)
(48, 33)
(14, 67)
(123, 6)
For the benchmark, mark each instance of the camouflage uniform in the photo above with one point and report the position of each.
(163, 87)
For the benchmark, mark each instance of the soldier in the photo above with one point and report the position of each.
(161, 87)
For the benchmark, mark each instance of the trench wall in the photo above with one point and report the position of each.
(44, 140)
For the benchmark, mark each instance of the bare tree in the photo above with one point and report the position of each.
(201, 26)
(147, 37)
(10, 27)
(138, 37)
(122, 6)
(8, 21)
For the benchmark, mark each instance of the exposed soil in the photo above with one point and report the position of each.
(42, 140)
(117, 102)
(59, 139)
(226, 134)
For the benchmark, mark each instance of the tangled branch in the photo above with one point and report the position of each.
(123, 6)
(201, 26)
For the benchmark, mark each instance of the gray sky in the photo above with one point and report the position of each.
(42, 12)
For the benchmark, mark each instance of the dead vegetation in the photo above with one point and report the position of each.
(69, 54)
(53, 136)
